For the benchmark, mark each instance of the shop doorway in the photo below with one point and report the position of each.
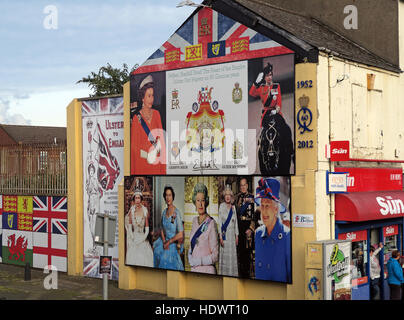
(390, 237)
(375, 240)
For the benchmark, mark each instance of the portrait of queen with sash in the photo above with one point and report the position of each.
(203, 250)
(228, 227)
(147, 134)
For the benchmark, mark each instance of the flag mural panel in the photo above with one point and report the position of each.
(36, 219)
(50, 232)
(102, 121)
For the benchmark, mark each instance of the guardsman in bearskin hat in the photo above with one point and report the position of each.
(268, 91)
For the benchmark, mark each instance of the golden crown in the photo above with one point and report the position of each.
(304, 101)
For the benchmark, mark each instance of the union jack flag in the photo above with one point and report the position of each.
(102, 106)
(108, 167)
(206, 30)
(90, 107)
(50, 215)
(92, 266)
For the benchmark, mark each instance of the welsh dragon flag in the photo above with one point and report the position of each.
(17, 247)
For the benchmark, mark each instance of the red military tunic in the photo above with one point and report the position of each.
(270, 97)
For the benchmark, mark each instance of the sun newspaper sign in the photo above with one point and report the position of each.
(337, 151)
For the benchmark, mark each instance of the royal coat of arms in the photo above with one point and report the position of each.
(205, 129)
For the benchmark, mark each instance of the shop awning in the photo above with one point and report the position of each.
(365, 206)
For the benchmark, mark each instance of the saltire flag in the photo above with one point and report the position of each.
(50, 249)
(208, 30)
(50, 214)
(108, 167)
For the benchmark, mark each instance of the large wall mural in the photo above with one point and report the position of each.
(213, 104)
(102, 121)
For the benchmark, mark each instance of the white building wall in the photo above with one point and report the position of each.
(372, 121)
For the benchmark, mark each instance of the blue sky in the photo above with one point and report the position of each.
(40, 66)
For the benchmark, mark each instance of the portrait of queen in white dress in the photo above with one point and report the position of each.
(138, 248)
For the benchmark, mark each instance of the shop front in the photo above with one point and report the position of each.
(370, 213)
(368, 219)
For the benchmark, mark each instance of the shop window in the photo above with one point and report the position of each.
(390, 236)
(359, 262)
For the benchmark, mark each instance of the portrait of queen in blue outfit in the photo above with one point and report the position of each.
(166, 255)
(272, 239)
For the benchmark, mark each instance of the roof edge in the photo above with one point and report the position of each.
(250, 19)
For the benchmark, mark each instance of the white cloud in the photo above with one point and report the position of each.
(48, 108)
(40, 67)
(7, 117)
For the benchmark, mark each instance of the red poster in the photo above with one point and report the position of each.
(390, 231)
(373, 179)
(339, 151)
(354, 236)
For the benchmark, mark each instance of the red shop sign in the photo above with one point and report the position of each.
(372, 179)
(390, 231)
(366, 206)
(354, 236)
(339, 150)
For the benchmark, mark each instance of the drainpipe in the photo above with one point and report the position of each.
(331, 137)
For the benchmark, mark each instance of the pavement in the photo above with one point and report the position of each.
(14, 287)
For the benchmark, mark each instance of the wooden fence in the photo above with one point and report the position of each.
(39, 169)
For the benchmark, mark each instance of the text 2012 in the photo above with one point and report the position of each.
(306, 144)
